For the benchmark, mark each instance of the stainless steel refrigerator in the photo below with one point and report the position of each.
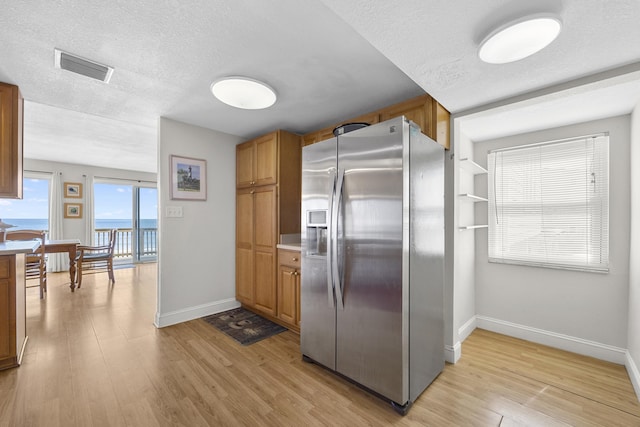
(373, 258)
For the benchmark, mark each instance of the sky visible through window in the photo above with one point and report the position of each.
(33, 205)
(111, 202)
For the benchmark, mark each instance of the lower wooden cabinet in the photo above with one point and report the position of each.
(12, 310)
(289, 288)
(255, 248)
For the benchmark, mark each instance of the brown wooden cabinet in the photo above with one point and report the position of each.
(257, 161)
(418, 110)
(256, 240)
(244, 246)
(267, 205)
(289, 288)
(11, 109)
(12, 310)
(327, 133)
(423, 110)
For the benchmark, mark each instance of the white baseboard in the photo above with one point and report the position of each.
(184, 315)
(634, 374)
(465, 330)
(553, 339)
(452, 353)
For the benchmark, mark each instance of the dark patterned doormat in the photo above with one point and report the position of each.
(244, 326)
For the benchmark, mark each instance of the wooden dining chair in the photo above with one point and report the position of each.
(97, 258)
(35, 264)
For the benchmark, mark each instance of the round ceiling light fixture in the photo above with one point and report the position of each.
(519, 39)
(243, 92)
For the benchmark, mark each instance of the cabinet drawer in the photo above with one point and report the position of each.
(5, 267)
(289, 258)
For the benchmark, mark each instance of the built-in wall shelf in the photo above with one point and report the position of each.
(474, 227)
(472, 167)
(472, 197)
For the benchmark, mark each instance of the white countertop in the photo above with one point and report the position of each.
(12, 247)
(289, 246)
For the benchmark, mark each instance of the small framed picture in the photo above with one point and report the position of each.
(73, 210)
(188, 178)
(73, 190)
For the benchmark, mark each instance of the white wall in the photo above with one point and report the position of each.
(77, 228)
(578, 311)
(633, 336)
(196, 252)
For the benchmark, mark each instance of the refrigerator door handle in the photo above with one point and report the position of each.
(330, 227)
(335, 270)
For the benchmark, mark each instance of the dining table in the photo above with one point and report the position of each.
(69, 246)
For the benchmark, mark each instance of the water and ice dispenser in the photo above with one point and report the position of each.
(317, 232)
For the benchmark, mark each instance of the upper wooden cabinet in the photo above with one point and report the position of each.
(10, 141)
(257, 161)
(423, 110)
(327, 133)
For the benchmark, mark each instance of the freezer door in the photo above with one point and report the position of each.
(317, 302)
(372, 327)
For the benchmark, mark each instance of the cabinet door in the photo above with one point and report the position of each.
(287, 294)
(265, 282)
(298, 291)
(7, 311)
(266, 159)
(244, 246)
(265, 240)
(245, 164)
(6, 324)
(265, 218)
(10, 142)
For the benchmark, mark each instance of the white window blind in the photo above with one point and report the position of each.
(549, 204)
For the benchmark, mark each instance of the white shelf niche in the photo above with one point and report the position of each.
(472, 197)
(472, 167)
(474, 227)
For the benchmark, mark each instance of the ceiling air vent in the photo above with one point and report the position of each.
(78, 65)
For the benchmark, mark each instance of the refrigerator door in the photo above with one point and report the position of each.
(372, 328)
(317, 301)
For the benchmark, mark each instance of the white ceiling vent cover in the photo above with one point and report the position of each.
(85, 67)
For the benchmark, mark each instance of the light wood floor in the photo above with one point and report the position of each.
(95, 358)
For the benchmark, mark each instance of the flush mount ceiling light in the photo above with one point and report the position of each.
(243, 92)
(519, 39)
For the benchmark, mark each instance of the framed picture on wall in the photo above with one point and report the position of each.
(73, 210)
(73, 190)
(188, 178)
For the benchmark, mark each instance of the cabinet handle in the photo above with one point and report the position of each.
(253, 183)
(294, 259)
(295, 273)
(253, 191)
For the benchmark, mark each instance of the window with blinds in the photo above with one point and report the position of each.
(549, 204)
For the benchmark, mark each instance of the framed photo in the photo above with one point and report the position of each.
(188, 178)
(73, 210)
(73, 190)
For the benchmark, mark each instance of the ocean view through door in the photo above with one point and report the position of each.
(132, 209)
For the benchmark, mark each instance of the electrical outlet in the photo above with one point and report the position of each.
(173, 212)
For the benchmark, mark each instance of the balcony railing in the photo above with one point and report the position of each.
(148, 243)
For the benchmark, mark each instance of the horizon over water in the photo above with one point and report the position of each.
(43, 223)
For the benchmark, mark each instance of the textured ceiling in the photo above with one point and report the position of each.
(328, 60)
(436, 43)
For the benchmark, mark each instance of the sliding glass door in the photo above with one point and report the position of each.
(132, 209)
(146, 225)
